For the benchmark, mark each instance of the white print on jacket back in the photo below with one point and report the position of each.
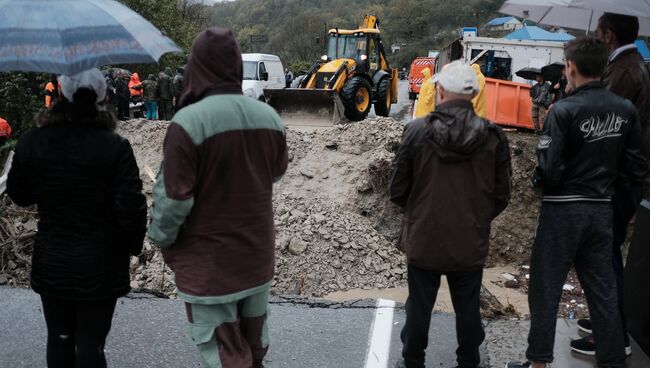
(596, 128)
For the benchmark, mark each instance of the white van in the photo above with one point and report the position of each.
(261, 71)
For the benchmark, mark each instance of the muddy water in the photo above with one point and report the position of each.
(492, 280)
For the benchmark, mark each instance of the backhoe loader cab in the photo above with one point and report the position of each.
(349, 79)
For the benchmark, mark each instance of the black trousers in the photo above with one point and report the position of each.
(76, 332)
(465, 288)
(123, 108)
(625, 203)
(578, 234)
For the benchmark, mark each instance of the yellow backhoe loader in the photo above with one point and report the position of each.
(353, 76)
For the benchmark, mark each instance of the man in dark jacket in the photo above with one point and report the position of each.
(591, 142)
(213, 212)
(452, 177)
(111, 93)
(123, 95)
(177, 88)
(627, 76)
(541, 95)
(165, 93)
(150, 87)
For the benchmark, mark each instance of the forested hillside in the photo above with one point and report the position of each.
(294, 29)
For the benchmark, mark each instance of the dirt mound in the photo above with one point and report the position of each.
(336, 228)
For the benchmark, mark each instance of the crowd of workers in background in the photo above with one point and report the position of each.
(127, 96)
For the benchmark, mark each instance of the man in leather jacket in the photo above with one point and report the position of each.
(591, 143)
(627, 76)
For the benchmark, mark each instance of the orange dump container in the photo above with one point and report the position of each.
(509, 103)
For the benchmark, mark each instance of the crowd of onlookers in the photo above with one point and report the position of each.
(128, 96)
(156, 97)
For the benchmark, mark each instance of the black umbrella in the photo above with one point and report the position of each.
(528, 73)
(553, 72)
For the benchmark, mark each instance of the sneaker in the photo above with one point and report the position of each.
(586, 346)
(584, 325)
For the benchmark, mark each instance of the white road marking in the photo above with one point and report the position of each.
(382, 327)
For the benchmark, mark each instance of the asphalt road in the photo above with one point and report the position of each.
(150, 332)
(402, 110)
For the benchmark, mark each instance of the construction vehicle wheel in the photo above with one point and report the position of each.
(356, 98)
(383, 103)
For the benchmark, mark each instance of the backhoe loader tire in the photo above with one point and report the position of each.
(357, 98)
(383, 102)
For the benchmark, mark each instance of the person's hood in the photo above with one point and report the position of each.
(92, 79)
(426, 72)
(214, 66)
(455, 131)
(476, 68)
(168, 72)
(151, 77)
(135, 78)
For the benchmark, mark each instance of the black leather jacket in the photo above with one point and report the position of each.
(591, 141)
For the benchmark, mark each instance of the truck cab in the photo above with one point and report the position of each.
(261, 71)
(415, 75)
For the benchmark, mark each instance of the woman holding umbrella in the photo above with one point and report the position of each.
(85, 182)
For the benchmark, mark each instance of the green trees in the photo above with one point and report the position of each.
(295, 29)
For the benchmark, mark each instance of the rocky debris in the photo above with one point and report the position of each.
(513, 231)
(336, 228)
(17, 232)
(321, 249)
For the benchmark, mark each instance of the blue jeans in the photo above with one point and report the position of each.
(152, 110)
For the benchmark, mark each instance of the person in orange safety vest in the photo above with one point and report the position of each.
(52, 91)
(135, 85)
(5, 131)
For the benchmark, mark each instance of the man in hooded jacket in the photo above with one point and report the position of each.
(213, 213)
(427, 99)
(461, 163)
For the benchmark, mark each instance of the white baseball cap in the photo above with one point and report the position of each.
(457, 77)
(93, 79)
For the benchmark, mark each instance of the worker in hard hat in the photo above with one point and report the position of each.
(480, 100)
(427, 100)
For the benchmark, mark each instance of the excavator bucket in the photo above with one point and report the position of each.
(306, 107)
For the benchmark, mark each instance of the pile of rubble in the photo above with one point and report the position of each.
(336, 228)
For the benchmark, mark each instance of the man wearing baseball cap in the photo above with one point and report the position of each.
(452, 177)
